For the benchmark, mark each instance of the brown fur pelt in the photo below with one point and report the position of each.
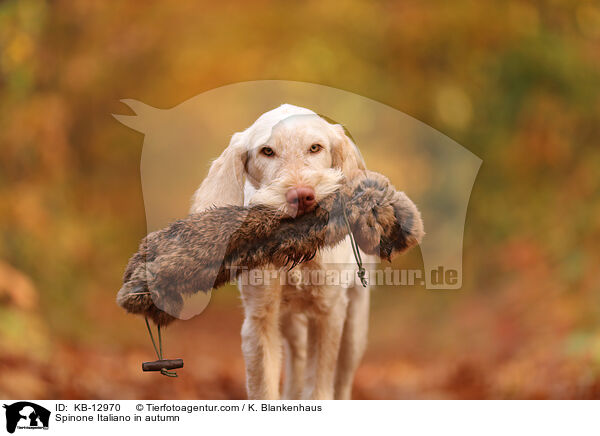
(206, 250)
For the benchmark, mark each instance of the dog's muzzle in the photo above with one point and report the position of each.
(300, 200)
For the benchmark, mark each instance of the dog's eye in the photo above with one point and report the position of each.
(267, 151)
(315, 148)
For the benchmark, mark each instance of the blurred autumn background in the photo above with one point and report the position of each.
(515, 82)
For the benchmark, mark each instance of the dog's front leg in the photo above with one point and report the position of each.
(294, 329)
(261, 340)
(354, 341)
(324, 337)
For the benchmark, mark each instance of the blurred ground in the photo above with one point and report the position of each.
(214, 368)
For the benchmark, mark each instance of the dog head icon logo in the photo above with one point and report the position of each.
(26, 415)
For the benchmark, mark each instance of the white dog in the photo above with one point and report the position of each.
(291, 158)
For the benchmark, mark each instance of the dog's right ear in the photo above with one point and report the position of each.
(345, 154)
(224, 184)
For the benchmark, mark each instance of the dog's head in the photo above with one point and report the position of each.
(290, 158)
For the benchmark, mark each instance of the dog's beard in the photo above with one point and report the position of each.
(324, 182)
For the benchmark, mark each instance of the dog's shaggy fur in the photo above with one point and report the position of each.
(317, 330)
(208, 249)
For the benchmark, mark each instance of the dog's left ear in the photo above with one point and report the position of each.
(345, 155)
(224, 184)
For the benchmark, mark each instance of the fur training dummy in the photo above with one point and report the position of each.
(208, 249)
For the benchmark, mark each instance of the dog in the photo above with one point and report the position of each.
(291, 158)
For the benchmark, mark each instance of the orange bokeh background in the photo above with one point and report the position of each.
(515, 82)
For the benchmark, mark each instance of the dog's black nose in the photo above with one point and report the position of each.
(301, 199)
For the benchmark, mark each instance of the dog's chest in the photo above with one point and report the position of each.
(316, 285)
